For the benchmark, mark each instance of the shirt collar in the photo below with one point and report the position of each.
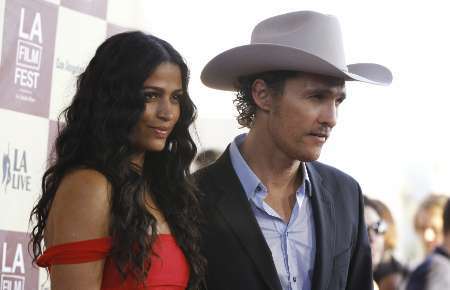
(250, 182)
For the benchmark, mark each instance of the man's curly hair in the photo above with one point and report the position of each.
(244, 102)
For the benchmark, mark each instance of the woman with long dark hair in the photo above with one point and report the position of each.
(118, 209)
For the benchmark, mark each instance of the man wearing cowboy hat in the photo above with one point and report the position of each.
(276, 218)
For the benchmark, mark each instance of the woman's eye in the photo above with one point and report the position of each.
(150, 96)
(176, 98)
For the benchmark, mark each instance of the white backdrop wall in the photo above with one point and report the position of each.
(394, 140)
(44, 46)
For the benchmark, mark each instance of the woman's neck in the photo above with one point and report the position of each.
(138, 159)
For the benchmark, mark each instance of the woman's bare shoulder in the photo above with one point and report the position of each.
(80, 209)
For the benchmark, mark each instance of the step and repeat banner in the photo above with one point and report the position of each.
(44, 45)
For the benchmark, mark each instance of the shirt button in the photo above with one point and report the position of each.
(294, 279)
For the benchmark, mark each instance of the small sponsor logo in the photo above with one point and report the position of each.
(15, 171)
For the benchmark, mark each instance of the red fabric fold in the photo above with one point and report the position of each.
(75, 252)
(169, 268)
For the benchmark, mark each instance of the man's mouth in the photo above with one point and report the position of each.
(320, 136)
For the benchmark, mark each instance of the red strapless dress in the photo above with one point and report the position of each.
(169, 269)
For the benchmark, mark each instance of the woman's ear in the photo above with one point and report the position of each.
(261, 95)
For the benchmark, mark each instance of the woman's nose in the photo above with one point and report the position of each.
(166, 109)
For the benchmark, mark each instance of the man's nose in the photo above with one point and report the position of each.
(328, 114)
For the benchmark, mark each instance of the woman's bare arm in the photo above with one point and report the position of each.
(80, 211)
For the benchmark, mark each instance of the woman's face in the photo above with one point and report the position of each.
(162, 90)
(376, 230)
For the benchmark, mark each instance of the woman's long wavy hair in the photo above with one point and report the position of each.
(106, 107)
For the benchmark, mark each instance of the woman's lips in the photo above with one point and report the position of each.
(161, 132)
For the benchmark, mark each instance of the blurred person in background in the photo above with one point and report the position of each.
(118, 209)
(434, 272)
(428, 222)
(376, 228)
(205, 158)
(389, 273)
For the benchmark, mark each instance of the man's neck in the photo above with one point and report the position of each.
(272, 167)
(279, 174)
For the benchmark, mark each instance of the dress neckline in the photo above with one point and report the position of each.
(103, 239)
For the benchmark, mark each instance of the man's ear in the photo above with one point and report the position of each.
(261, 95)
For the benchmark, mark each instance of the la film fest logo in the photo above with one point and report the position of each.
(16, 270)
(29, 54)
(15, 171)
(13, 268)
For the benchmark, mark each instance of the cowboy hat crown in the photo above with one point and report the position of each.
(300, 41)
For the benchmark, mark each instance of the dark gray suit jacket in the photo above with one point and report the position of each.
(238, 255)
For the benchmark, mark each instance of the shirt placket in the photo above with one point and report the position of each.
(291, 254)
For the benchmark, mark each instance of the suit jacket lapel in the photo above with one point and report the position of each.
(324, 219)
(236, 210)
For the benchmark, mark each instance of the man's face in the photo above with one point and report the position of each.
(302, 117)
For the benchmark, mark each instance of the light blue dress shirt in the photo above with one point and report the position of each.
(293, 245)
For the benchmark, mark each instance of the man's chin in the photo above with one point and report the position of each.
(312, 156)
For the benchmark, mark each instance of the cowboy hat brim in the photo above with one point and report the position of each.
(223, 71)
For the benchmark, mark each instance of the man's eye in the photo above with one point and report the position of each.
(317, 97)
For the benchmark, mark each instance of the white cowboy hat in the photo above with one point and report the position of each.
(300, 41)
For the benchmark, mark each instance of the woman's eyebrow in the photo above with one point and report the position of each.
(152, 88)
(160, 90)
